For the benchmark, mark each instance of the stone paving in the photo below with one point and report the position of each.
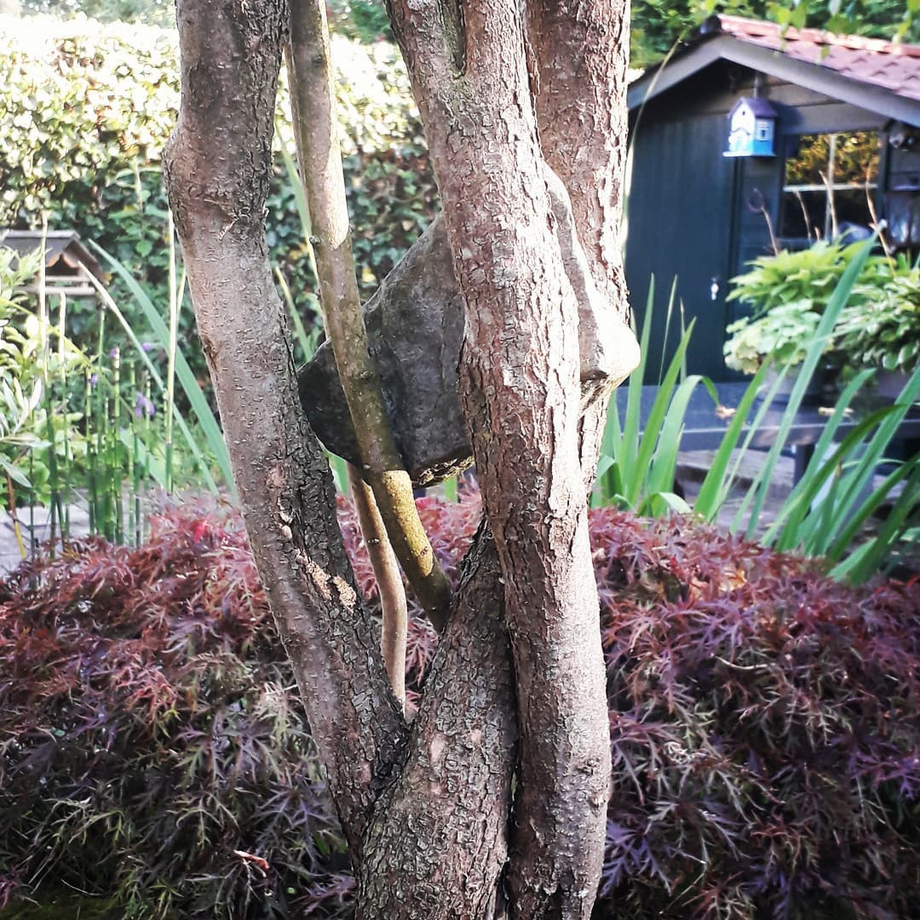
(35, 529)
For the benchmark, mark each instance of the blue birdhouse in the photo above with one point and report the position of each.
(752, 123)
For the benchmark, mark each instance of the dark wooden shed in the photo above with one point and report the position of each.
(846, 153)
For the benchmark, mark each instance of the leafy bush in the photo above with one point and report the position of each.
(150, 736)
(89, 107)
(883, 329)
(765, 724)
(827, 511)
(787, 293)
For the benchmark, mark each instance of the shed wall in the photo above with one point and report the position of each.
(698, 217)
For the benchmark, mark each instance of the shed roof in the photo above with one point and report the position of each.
(878, 75)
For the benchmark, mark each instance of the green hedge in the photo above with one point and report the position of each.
(87, 108)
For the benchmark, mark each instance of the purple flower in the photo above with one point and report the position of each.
(93, 379)
(115, 353)
(142, 405)
(147, 346)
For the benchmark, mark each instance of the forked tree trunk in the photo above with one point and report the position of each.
(517, 686)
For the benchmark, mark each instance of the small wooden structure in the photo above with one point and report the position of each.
(68, 263)
(752, 124)
(845, 114)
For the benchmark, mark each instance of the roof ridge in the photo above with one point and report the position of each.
(732, 25)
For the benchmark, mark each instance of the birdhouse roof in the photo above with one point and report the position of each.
(64, 251)
(758, 107)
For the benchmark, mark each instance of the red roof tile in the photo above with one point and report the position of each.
(887, 64)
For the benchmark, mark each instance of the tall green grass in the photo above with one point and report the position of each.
(828, 510)
(212, 447)
(122, 419)
(97, 430)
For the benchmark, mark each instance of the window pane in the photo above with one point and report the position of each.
(804, 215)
(851, 208)
(856, 158)
(850, 162)
(806, 163)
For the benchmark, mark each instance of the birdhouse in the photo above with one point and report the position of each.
(752, 123)
(68, 263)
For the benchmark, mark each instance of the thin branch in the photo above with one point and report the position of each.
(320, 160)
(389, 584)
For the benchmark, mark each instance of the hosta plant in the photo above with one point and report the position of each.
(882, 329)
(783, 333)
(788, 293)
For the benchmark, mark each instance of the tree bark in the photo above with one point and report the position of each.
(217, 174)
(390, 589)
(313, 105)
(578, 58)
(515, 704)
(218, 165)
(520, 372)
(438, 842)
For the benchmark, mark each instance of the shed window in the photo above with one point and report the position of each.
(829, 184)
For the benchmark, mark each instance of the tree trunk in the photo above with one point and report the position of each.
(517, 685)
(520, 371)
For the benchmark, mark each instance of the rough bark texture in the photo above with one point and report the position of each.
(218, 166)
(520, 372)
(579, 51)
(452, 800)
(427, 808)
(578, 54)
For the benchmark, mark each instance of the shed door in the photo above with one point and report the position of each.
(680, 213)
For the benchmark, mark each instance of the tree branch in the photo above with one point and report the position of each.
(315, 129)
(390, 588)
(455, 786)
(578, 52)
(218, 165)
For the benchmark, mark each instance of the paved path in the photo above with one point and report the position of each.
(34, 524)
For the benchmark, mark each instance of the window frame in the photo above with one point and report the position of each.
(792, 192)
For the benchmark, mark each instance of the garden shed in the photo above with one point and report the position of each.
(750, 137)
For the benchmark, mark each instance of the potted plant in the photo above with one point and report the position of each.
(787, 293)
(881, 328)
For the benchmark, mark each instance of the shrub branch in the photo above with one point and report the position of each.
(313, 105)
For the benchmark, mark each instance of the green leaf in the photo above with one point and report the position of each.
(16, 474)
(207, 421)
